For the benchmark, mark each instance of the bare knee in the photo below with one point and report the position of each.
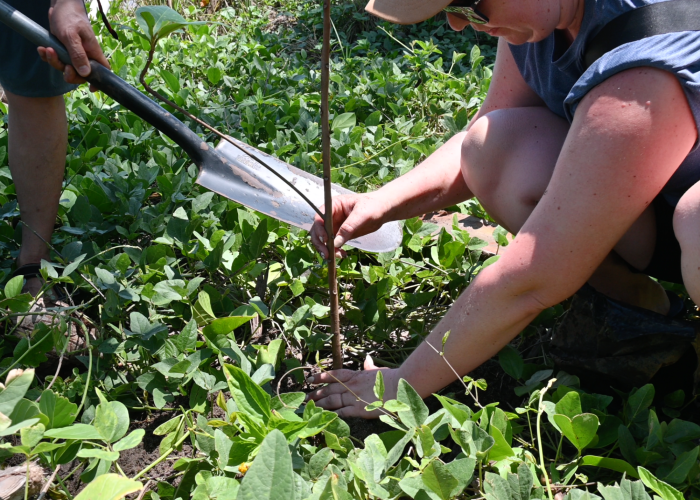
(508, 157)
(686, 226)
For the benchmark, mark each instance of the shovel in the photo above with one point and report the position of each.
(231, 172)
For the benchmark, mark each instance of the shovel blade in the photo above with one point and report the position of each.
(238, 177)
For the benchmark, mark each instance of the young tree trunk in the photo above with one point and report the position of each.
(326, 140)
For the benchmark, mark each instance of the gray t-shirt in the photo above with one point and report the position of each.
(556, 72)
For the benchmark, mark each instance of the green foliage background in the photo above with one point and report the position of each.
(196, 305)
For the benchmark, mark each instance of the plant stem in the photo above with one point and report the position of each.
(540, 410)
(328, 219)
(163, 456)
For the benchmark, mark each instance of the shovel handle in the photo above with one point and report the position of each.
(106, 81)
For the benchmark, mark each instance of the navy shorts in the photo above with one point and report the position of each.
(22, 71)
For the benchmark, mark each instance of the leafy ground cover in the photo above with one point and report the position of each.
(191, 307)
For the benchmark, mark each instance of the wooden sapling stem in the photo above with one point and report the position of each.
(328, 219)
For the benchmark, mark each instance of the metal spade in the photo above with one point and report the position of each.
(225, 170)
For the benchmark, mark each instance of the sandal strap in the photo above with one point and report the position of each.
(28, 271)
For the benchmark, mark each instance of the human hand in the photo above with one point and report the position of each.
(70, 24)
(354, 215)
(346, 386)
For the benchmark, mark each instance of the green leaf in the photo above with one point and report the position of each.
(31, 436)
(681, 467)
(13, 288)
(346, 120)
(75, 431)
(610, 463)
(639, 401)
(111, 420)
(521, 483)
(270, 477)
(379, 386)
(224, 326)
(60, 410)
(439, 480)
(214, 75)
(109, 487)
(257, 241)
(249, 396)
(569, 405)
(581, 430)
(21, 425)
(511, 362)
(496, 488)
(187, 339)
(132, 440)
(664, 490)
(501, 449)
(170, 79)
(14, 391)
(98, 453)
(418, 413)
(319, 462)
(474, 441)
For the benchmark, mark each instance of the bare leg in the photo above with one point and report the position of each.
(508, 157)
(38, 136)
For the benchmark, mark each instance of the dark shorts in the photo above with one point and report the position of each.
(22, 72)
(666, 262)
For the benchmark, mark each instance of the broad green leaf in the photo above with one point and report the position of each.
(167, 427)
(224, 326)
(5, 422)
(439, 480)
(319, 462)
(345, 120)
(379, 386)
(664, 490)
(569, 405)
(474, 441)
(681, 467)
(511, 362)
(31, 436)
(98, 453)
(132, 440)
(639, 401)
(222, 444)
(610, 463)
(75, 431)
(14, 287)
(19, 426)
(59, 410)
(14, 391)
(581, 430)
(501, 449)
(109, 487)
(521, 483)
(496, 488)
(187, 339)
(270, 476)
(418, 413)
(170, 79)
(111, 420)
(463, 470)
(249, 396)
(396, 452)
(317, 423)
(214, 75)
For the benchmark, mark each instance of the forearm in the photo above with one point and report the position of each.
(493, 310)
(434, 184)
